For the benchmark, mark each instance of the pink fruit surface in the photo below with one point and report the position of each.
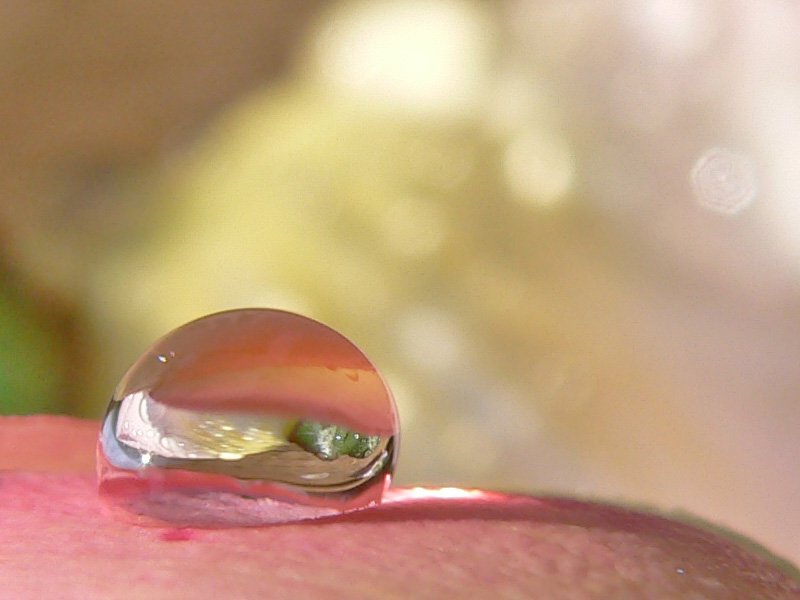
(56, 541)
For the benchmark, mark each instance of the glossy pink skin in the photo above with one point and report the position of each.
(56, 542)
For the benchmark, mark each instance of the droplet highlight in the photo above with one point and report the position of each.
(247, 417)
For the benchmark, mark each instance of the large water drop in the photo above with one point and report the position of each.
(247, 417)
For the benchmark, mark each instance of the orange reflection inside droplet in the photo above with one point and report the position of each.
(265, 361)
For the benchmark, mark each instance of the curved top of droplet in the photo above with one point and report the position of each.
(264, 361)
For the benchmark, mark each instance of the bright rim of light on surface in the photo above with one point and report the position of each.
(445, 493)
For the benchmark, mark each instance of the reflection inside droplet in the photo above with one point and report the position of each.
(256, 416)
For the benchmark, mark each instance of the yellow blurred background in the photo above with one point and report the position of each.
(567, 232)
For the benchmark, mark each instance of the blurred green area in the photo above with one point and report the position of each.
(32, 360)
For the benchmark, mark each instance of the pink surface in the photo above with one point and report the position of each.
(47, 443)
(57, 542)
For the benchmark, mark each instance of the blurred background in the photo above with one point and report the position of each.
(568, 232)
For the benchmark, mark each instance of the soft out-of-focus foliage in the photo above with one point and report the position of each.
(31, 362)
(564, 230)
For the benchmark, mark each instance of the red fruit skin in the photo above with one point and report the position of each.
(57, 541)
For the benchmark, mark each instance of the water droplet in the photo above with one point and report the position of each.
(259, 416)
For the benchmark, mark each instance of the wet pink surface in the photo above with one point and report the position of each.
(180, 534)
(56, 542)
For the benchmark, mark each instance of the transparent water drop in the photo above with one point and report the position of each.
(256, 416)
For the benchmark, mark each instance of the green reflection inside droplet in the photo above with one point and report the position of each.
(329, 442)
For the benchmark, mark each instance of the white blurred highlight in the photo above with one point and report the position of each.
(724, 181)
(428, 57)
(673, 28)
